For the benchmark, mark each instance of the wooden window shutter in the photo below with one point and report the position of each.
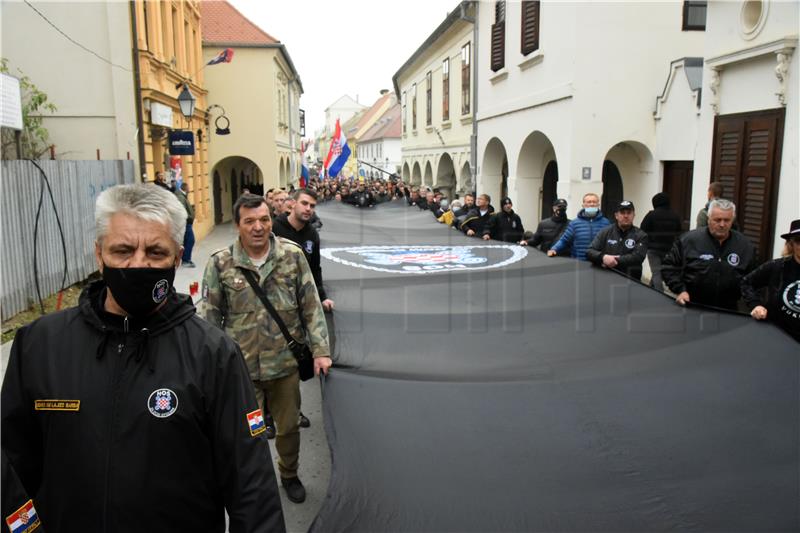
(754, 211)
(529, 40)
(728, 143)
(498, 49)
(746, 161)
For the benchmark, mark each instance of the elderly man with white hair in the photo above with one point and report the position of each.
(130, 412)
(706, 265)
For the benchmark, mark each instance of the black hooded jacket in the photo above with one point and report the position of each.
(308, 239)
(709, 271)
(548, 232)
(505, 227)
(117, 426)
(475, 221)
(662, 225)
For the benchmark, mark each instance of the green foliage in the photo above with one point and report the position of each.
(35, 138)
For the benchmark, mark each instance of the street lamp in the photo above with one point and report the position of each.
(186, 100)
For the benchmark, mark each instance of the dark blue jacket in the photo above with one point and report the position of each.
(580, 233)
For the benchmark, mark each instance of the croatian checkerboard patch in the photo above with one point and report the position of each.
(24, 519)
(255, 421)
(162, 403)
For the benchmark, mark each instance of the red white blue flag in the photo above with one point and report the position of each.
(24, 519)
(339, 152)
(223, 57)
(255, 420)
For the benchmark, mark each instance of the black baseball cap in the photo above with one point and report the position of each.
(506, 201)
(560, 202)
(624, 204)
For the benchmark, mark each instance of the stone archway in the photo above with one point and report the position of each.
(229, 175)
(416, 175)
(428, 180)
(495, 162)
(536, 153)
(628, 174)
(446, 176)
(466, 183)
(406, 173)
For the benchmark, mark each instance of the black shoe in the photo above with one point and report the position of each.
(295, 490)
(270, 427)
(189, 264)
(304, 422)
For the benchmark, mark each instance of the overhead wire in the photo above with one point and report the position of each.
(73, 41)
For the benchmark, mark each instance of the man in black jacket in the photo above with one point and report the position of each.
(706, 265)
(550, 229)
(662, 226)
(297, 228)
(477, 218)
(620, 246)
(130, 412)
(504, 226)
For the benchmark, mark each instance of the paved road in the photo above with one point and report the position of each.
(315, 463)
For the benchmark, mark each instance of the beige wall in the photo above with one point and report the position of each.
(444, 146)
(96, 102)
(254, 89)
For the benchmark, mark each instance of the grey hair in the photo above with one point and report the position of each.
(146, 202)
(719, 203)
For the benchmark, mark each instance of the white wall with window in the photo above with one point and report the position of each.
(437, 91)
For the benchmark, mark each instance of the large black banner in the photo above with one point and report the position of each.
(486, 387)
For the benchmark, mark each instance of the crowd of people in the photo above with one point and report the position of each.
(111, 408)
(713, 265)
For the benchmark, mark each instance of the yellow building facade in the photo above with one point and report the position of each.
(169, 55)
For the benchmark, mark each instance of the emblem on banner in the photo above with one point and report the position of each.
(426, 259)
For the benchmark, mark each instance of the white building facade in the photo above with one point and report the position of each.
(380, 147)
(436, 96)
(630, 99)
(566, 94)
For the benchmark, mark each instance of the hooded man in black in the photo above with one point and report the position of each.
(662, 226)
(504, 226)
(130, 412)
(550, 229)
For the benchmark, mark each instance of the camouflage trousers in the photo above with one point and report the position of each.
(283, 403)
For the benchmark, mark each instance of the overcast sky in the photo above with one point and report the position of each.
(342, 47)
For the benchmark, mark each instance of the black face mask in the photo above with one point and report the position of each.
(139, 290)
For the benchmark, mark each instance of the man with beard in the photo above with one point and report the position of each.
(504, 226)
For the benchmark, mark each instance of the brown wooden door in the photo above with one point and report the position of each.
(746, 160)
(678, 186)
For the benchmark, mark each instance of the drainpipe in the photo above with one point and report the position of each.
(291, 133)
(137, 84)
(473, 141)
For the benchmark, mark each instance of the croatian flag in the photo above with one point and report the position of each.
(255, 420)
(223, 57)
(24, 520)
(303, 176)
(338, 153)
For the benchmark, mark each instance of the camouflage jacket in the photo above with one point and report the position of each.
(230, 303)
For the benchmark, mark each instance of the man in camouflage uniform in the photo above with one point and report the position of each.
(231, 303)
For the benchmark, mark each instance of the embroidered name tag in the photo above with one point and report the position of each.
(57, 405)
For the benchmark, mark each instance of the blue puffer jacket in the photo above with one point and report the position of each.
(580, 234)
